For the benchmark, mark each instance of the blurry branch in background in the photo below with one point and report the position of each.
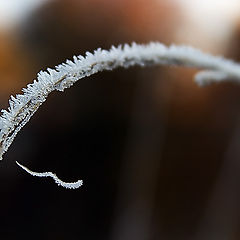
(65, 75)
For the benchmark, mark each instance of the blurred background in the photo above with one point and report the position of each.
(159, 156)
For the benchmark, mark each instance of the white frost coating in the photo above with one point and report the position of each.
(23, 106)
(71, 185)
(204, 78)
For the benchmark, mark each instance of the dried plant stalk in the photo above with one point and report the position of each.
(69, 185)
(23, 106)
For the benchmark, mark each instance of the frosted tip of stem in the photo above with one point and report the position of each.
(69, 185)
(204, 78)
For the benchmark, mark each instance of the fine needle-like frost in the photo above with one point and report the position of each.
(23, 106)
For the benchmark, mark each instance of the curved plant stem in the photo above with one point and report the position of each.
(23, 106)
(70, 185)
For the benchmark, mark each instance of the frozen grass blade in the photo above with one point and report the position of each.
(69, 185)
(23, 106)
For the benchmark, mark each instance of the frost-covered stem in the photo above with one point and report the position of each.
(69, 185)
(23, 106)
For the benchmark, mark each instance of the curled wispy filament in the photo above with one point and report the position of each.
(58, 181)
